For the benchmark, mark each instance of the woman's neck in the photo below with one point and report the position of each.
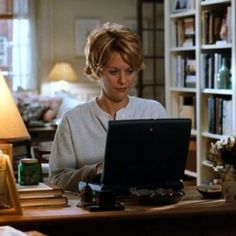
(111, 107)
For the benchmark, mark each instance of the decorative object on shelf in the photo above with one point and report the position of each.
(183, 5)
(223, 152)
(223, 76)
(7, 148)
(228, 183)
(223, 30)
(9, 199)
(224, 162)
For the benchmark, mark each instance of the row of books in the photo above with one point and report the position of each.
(211, 65)
(216, 26)
(219, 115)
(185, 71)
(41, 195)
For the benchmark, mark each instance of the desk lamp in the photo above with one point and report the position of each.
(12, 127)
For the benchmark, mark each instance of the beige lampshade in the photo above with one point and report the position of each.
(62, 71)
(12, 126)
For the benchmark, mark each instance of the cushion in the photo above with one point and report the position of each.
(33, 106)
(53, 108)
(31, 111)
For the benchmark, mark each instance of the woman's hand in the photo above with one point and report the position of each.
(99, 168)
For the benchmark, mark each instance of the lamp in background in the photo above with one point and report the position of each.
(61, 75)
(63, 71)
(12, 127)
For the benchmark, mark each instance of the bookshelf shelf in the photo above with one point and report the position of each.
(214, 2)
(182, 49)
(183, 14)
(214, 38)
(215, 46)
(187, 90)
(212, 136)
(218, 91)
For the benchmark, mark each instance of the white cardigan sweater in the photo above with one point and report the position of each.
(79, 142)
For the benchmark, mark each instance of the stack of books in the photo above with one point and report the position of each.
(41, 195)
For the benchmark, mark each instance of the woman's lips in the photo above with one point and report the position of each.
(121, 89)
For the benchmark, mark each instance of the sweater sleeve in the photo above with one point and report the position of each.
(64, 169)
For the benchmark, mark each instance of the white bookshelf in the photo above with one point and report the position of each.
(204, 173)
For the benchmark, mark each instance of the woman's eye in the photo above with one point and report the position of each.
(113, 72)
(130, 71)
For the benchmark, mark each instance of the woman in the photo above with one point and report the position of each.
(113, 58)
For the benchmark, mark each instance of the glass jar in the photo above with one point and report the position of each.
(28, 172)
(223, 76)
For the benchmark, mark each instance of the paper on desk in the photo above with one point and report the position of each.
(10, 231)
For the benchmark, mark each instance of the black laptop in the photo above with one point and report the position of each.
(145, 153)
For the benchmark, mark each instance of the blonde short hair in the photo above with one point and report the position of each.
(107, 39)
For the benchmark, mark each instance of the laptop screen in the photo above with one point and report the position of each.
(146, 153)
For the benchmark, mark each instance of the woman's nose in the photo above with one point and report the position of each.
(122, 77)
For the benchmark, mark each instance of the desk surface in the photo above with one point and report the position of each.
(199, 212)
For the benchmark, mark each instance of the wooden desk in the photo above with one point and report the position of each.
(191, 216)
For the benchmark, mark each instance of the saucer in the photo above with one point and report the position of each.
(210, 191)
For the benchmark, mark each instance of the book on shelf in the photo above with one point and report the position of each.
(41, 195)
(180, 72)
(229, 24)
(211, 115)
(214, 24)
(219, 115)
(189, 32)
(211, 63)
(190, 79)
(227, 117)
(185, 71)
(185, 32)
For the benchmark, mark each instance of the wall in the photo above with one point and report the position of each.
(56, 30)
